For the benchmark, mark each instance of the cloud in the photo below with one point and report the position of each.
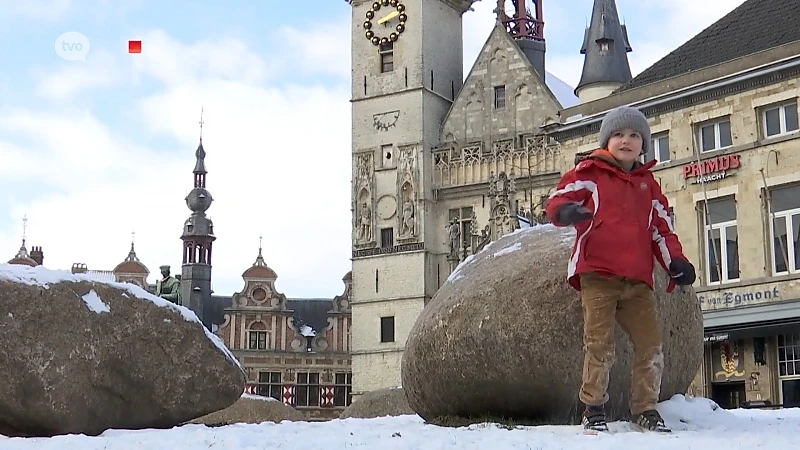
(314, 50)
(278, 161)
(46, 10)
(74, 77)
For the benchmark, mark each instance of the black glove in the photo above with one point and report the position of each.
(682, 272)
(572, 213)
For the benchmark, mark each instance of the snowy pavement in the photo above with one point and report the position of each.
(697, 426)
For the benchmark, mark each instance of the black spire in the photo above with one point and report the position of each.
(605, 44)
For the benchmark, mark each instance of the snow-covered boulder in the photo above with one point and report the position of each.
(379, 403)
(503, 337)
(81, 355)
(252, 409)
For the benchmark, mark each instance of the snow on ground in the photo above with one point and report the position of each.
(41, 276)
(699, 427)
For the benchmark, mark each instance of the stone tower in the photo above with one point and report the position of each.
(198, 236)
(606, 47)
(402, 87)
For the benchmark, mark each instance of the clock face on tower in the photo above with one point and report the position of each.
(385, 21)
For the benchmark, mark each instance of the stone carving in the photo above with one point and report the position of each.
(364, 223)
(363, 184)
(454, 233)
(503, 219)
(407, 182)
(408, 227)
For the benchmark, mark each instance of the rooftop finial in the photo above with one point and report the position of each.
(260, 238)
(201, 123)
(132, 254)
(260, 259)
(24, 227)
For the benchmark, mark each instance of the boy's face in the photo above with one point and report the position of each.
(625, 145)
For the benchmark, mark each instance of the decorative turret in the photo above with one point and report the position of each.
(198, 236)
(526, 28)
(131, 270)
(605, 44)
(22, 257)
(259, 270)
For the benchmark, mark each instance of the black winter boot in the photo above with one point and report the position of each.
(649, 421)
(594, 418)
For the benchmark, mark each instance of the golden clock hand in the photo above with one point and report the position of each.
(389, 17)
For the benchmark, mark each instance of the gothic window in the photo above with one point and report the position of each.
(269, 384)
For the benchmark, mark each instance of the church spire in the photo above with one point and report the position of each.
(605, 46)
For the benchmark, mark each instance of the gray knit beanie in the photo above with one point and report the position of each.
(621, 118)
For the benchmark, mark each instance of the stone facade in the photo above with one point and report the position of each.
(439, 168)
(728, 166)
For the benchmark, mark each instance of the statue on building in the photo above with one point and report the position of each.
(365, 223)
(454, 232)
(168, 287)
(408, 219)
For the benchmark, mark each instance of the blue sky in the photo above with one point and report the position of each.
(91, 151)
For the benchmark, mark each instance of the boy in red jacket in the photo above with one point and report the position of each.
(622, 221)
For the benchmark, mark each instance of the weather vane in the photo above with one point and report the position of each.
(133, 237)
(24, 226)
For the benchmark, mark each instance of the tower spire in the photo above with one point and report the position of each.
(260, 258)
(605, 44)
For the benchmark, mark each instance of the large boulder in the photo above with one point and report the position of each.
(82, 355)
(252, 409)
(503, 338)
(379, 403)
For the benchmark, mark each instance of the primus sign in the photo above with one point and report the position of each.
(711, 169)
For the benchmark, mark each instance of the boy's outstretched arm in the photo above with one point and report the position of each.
(667, 247)
(573, 192)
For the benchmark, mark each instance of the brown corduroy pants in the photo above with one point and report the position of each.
(631, 304)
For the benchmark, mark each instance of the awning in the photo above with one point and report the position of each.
(752, 321)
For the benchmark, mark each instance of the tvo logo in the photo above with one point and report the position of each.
(72, 46)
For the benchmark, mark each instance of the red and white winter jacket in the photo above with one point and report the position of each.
(631, 222)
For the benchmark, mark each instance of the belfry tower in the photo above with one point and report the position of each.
(198, 235)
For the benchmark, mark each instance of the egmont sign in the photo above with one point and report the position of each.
(732, 299)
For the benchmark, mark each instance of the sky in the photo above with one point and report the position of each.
(94, 149)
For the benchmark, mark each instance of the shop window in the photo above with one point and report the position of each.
(721, 241)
